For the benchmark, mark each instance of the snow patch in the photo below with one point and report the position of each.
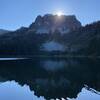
(52, 46)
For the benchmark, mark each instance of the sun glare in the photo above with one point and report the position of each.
(59, 13)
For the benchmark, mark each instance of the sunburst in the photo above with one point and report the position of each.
(59, 13)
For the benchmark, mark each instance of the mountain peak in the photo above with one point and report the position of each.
(50, 23)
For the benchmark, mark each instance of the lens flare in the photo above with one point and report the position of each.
(59, 13)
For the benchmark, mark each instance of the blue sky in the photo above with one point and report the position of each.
(17, 13)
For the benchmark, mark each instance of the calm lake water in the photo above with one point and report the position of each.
(49, 79)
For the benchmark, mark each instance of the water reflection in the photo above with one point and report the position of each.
(53, 78)
(52, 65)
(13, 91)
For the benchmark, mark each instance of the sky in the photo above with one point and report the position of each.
(17, 13)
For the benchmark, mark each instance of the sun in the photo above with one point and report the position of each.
(59, 13)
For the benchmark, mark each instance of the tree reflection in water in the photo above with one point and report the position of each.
(65, 78)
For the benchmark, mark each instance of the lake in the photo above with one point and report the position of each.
(49, 78)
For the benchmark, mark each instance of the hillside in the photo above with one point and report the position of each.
(74, 39)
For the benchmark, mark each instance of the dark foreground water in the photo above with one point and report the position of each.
(50, 78)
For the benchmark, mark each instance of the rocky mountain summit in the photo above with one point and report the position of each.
(51, 23)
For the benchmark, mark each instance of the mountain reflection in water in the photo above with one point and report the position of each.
(50, 78)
